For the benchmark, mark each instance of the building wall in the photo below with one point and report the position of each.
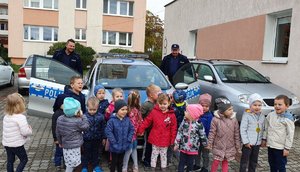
(185, 17)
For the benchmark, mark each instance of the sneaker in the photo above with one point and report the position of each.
(203, 169)
(135, 169)
(196, 168)
(84, 170)
(97, 169)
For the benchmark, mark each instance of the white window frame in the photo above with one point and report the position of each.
(106, 33)
(119, 8)
(270, 37)
(27, 4)
(41, 33)
(80, 34)
(81, 5)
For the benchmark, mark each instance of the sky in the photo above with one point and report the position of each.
(157, 7)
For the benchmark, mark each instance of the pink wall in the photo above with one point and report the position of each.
(119, 24)
(40, 17)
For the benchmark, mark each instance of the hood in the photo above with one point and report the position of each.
(266, 90)
(218, 115)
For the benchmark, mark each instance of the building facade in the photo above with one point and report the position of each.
(4, 23)
(101, 24)
(263, 34)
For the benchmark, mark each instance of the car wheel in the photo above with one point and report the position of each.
(23, 91)
(12, 80)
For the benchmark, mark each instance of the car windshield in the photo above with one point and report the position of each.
(239, 74)
(130, 76)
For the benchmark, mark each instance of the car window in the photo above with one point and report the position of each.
(239, 74)
(203, 70)
(130, 76)
(51, 70)
(185, 74)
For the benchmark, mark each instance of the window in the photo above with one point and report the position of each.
(42, 4)
(117, 38)
(115, 7)
(37, 33)
(203, 70)
(3, 26)
(277, 36)
(80, 34)
(3, 11)
(81, 4)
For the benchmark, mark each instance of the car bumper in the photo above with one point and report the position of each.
(240, 108)
(23, 83)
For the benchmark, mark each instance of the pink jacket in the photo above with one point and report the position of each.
(224, 137)
(111, 108)
(136, 120)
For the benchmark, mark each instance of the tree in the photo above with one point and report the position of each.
(154, 33)
(86, 53)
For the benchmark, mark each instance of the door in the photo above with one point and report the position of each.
(48, 79)
(5, 72)
(186, 74)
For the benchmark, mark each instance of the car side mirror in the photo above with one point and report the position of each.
(208, 78)
(181, 86)
(88, 66)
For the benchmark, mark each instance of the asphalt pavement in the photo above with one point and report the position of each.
(40, 148)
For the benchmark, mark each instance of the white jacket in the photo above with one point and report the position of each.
(15, 130)
(279, 130)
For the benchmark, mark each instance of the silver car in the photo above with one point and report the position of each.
(236, 81)
(7, 75)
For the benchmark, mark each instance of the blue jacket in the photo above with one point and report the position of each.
(96, 129)
(179, 113)
(103, 104)
(119, 133)
(74, 60)
(206, 119)
(69, 93)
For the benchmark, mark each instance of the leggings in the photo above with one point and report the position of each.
(215, 164)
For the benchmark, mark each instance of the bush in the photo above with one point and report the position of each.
(4, 53)
(120, 51)
(86, 53)
(156, 57)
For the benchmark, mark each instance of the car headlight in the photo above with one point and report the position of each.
(244, 98)
(295, 100)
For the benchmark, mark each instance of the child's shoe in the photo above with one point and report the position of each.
(203, 169)
(58, 168)
(196, 168)
(135, 169)
(84, 170)
(97, 169)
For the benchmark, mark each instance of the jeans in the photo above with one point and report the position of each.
(133, 153)
(147, 150)
(91, 153)
(58, 156)
(116, 162)
(12, 152)
(276, 160)
(186, 160)
(249, 156)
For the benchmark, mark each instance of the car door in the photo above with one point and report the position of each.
(186, 74)
(48, 79)
(5, 72)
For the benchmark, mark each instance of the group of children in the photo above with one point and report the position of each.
(170, 126)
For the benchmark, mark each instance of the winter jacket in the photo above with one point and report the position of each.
(224, 137)
(97, 126)
(252, 127)
(189, 137)
(136, 120)
(146, 108)
(119, 133)
(279, 130)
(103, 104)
(111, 108)
(69, 131)
(73, 62)
(69, 93)
(55, 116)
(15, 130)
(206, 119)
(164, 127)
(179, 112)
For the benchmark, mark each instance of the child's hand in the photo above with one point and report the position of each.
(286, 152)
(55, 142)
(103, 142)
(60, 145)
(248, 146)
(79, 114)
(208, 147)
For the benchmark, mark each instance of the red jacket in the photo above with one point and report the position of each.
(164, 127)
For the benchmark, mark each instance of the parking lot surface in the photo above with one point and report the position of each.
(40, 148)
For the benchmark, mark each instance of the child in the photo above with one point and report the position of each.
(74, 90)
(119, 132)
(163, 132)
(69, 132)
(190, 135)
(117, 93)
(152, 92)
(94, 136)
(136, 119)
(205, 119)
(99, 92)
(224, 135)
(252, 127)
(15, 131)
(279, 133)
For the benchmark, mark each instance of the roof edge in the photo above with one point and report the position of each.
(170, 3)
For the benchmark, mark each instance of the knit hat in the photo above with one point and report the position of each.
(179, 96)
(97, 88)
(119, 104)
(71, 106)
(254, 97)
(195, 110)
(205, 98)
(223, 104)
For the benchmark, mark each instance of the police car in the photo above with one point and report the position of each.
(126, 71)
